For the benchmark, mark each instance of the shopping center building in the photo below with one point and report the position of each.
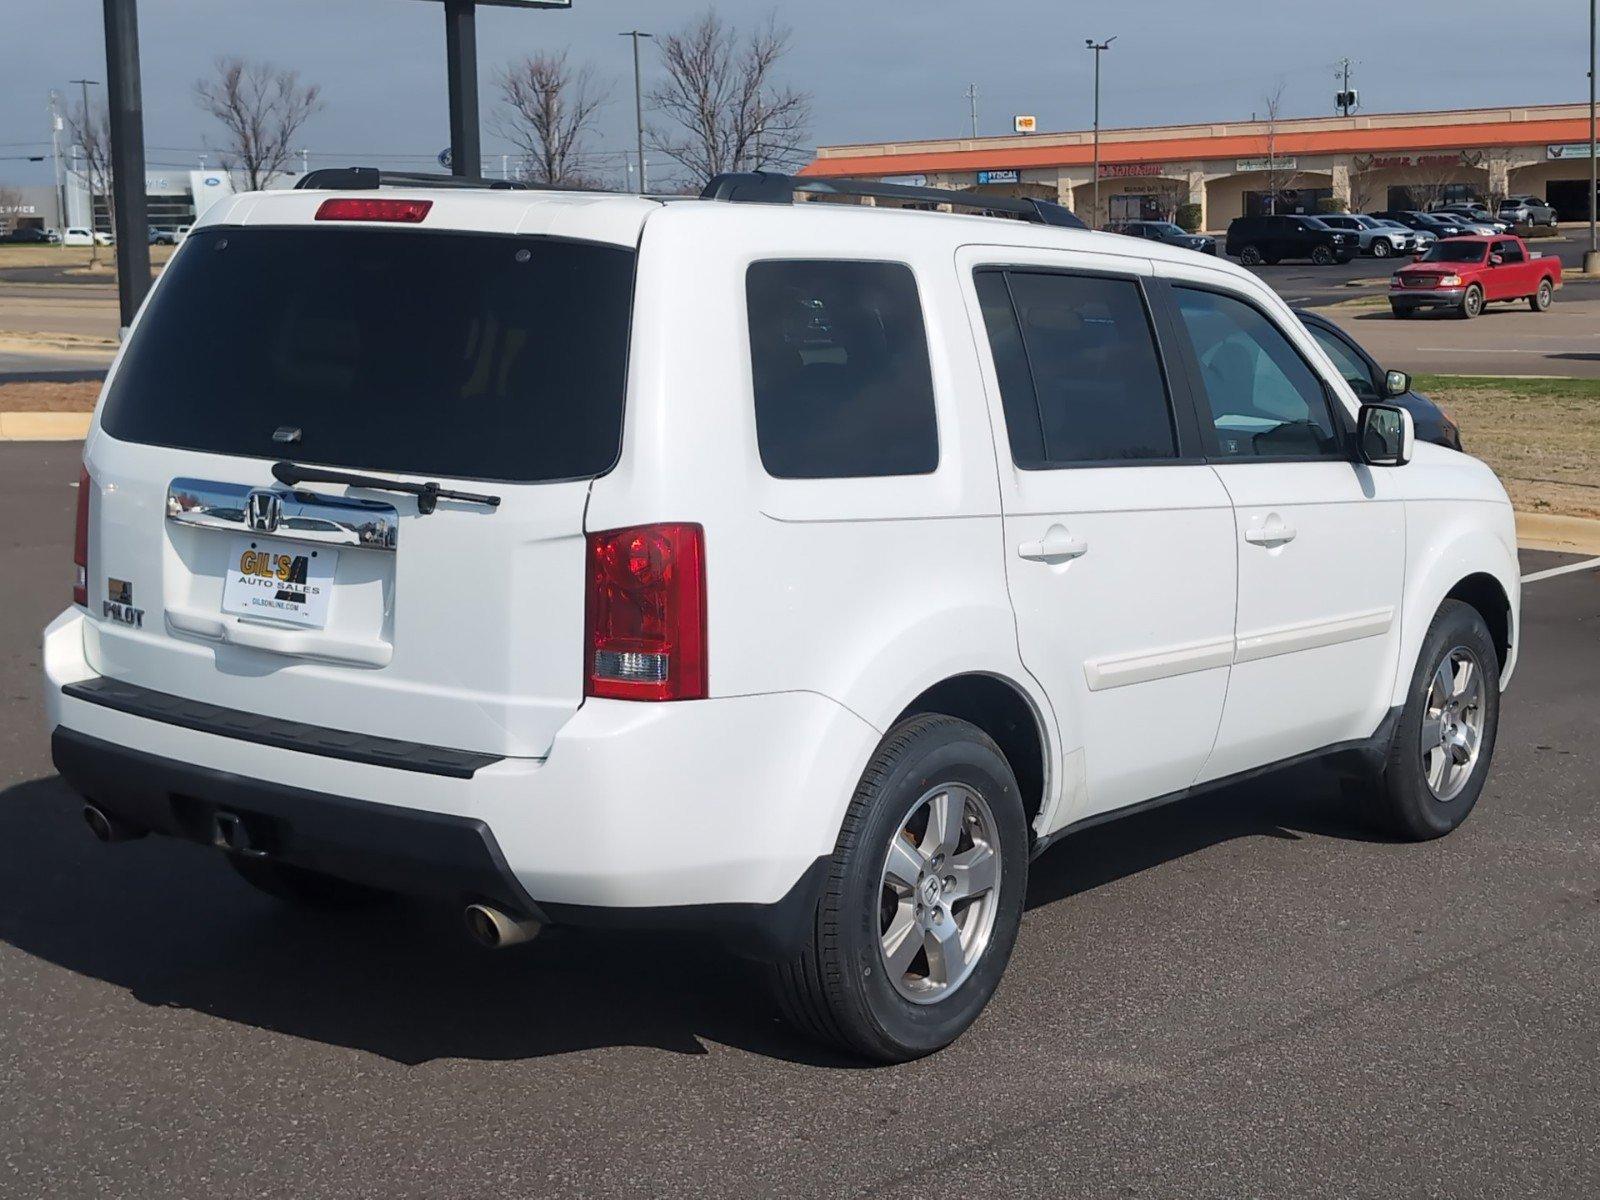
(1366, 162)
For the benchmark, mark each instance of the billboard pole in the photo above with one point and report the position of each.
(461, 69)
(127, 157)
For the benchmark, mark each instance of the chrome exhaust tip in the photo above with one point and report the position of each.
(107, 828)
(489, 926)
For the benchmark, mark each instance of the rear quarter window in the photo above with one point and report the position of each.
(839, 362)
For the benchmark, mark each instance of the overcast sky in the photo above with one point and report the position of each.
(878, 69)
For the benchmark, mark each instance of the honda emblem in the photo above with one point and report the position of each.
(263, 510)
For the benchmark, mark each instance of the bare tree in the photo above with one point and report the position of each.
(549, 115)
(725, 109)
(1435, 173)
(1280, 178)
(90, 130)
(261, 108)
(1363, 186)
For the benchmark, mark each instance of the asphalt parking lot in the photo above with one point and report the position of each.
(1248, 995)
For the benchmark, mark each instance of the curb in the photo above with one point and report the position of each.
(1547, 531)
(44, 426)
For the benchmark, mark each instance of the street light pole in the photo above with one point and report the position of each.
(1591, 260)
(88, 166)
(638, 99)
(1097, 47)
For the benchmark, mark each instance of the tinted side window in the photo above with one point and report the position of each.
(1264, 400)
(1080, 376)
(1350, 364)
(840, 362)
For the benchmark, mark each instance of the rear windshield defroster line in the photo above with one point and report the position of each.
(468, 356)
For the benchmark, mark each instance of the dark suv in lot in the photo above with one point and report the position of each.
(1269, 240)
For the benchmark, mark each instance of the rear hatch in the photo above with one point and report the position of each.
(488, 364)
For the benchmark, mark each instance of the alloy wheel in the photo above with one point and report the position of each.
(939, 893)
(1452, 723)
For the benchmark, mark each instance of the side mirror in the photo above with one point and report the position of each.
(1396, 383)
(1496, 260)
(1386, 435)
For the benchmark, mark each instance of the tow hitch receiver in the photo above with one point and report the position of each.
(229, 832)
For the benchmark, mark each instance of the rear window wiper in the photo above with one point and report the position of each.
(428, 494)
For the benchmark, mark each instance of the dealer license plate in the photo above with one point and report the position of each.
(280, 581)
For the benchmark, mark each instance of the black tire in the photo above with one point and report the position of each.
(1541, 300)
(838, 989)
(1400, 801)
(1272, 260)
(1471, 303)
(1381, 248)
(1250, 256)
(300, 887)
(1323, 256)
(1400, 314)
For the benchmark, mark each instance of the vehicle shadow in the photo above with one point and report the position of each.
(171, 924)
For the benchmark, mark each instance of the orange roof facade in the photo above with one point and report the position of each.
(1025, 152)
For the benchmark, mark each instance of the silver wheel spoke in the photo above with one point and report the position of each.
(904, 866)
(1442, 687)
(1433, 764)
(1464, 686)
(901, 940)
(1432, 731)
(974, 872)
(945, 814)
(947, 957)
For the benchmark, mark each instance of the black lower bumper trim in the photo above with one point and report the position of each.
(392, 848)
(274, 731)
(382, 845)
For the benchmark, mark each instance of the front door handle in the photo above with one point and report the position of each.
(1274, 531)
(1056, 546)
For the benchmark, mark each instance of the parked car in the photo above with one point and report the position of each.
(163, 237)
(1421, 239)
(1464, 274)
(1377, 238)
(454, 542)
(1527, 211)
(1475, 217)
(1170, 233)
(31, 235)
(1371, 383)
(76, 236)
(1254, 240)
(1439, 226)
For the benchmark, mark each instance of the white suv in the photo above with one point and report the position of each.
(793, 572)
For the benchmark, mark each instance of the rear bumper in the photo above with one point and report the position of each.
(706, 815)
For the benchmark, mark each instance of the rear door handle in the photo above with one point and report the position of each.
(1274, 531)
(1056, 546)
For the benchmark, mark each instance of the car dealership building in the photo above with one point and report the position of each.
(1230, 169)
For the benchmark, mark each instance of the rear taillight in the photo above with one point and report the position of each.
(80, 541)
(645, 613)
(406, 212)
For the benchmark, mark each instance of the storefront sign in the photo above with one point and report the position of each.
(999, 176)
(1379, 161)
(1131, 170)
(1284, 162)
(1568, 150)
(1025, 123)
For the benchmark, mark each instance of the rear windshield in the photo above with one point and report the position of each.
(466, 355)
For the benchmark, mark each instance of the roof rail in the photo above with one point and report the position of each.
(352, 179)
(766, 187)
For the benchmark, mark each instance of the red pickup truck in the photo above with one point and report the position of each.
(1465, 273)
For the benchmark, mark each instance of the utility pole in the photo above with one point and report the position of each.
(972, 103)
(88, 164)
(1591, 259)
(305, 166)
(1098, 48)
(55, 154)
(1344, 90)
(638, 99)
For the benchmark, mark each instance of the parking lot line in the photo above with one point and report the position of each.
(1570, 568)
